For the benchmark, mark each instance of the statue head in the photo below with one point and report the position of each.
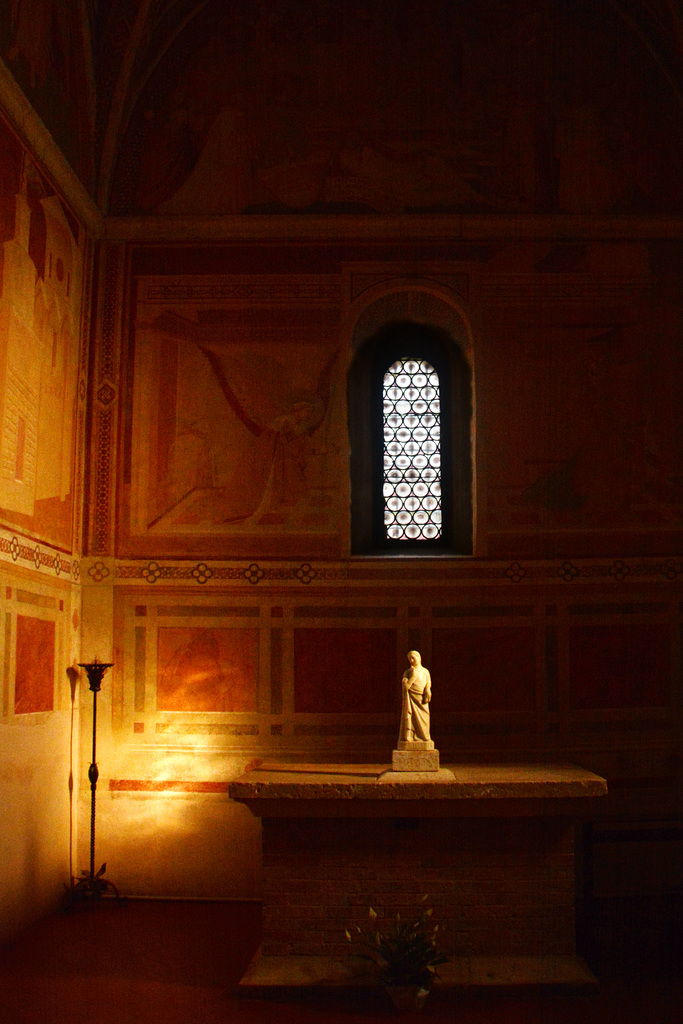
(414, 658)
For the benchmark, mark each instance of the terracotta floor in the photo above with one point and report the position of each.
(161, 962)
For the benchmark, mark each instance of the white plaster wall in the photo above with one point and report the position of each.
(35, 832)
(177, 845)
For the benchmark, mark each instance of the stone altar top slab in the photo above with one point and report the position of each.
(282, 789)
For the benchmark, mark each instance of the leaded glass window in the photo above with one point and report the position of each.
(412, 451)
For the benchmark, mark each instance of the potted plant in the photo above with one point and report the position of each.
(405, 953)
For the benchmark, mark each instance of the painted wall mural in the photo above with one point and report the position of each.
(43, 250)
(607, 460)
(237, 442)
(409, 106)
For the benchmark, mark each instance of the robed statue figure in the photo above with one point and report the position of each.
(416, 688)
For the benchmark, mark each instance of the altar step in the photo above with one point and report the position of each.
(461, 973)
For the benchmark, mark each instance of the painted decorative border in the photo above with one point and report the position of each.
(18, 550)
(244, 291)
(504, 573)
(105, 383)
(461, 227)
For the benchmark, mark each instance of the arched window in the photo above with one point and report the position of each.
(410, 409)
(411, 416)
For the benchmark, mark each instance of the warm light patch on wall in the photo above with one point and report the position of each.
(204, 669)
(35, 665)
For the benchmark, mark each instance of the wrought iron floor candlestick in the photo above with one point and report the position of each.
(93, 885)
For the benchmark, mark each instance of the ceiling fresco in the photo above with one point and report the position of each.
(409, 107)
(162, 106)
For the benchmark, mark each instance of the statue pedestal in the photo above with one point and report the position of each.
(409, 759)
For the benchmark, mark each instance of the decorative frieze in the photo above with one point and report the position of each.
(23, 551)
(452, 571)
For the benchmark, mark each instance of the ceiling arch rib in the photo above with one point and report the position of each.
(659, 26)
(155, 29)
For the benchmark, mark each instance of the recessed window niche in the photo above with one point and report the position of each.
(410, 410)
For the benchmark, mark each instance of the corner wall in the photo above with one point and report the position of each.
(39, 751)
(45, 271)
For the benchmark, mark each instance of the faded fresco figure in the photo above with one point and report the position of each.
(416, 687)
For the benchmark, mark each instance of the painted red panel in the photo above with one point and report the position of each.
(35, 665)
(207, 669)
(345, 670)
(614, 666)
(492, 668)
(166, 786)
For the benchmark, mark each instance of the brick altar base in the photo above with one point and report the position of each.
(499, 887)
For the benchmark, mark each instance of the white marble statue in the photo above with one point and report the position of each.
(416, 688)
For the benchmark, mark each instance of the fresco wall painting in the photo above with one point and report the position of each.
(44, 263)
(203, 669)
(245, 435)
(244, 426)
(41, 352)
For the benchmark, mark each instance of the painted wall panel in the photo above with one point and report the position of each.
(490, 668)
(620, 666)
(35, 665)
(345, 671)
(207, 669)
(236, 416)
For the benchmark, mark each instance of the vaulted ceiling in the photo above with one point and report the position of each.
(124, 49)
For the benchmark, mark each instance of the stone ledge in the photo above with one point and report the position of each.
(403, 776)
(460, 973)
(529, 971)
(341, 790)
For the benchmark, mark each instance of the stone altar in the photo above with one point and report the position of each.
(491, 845)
